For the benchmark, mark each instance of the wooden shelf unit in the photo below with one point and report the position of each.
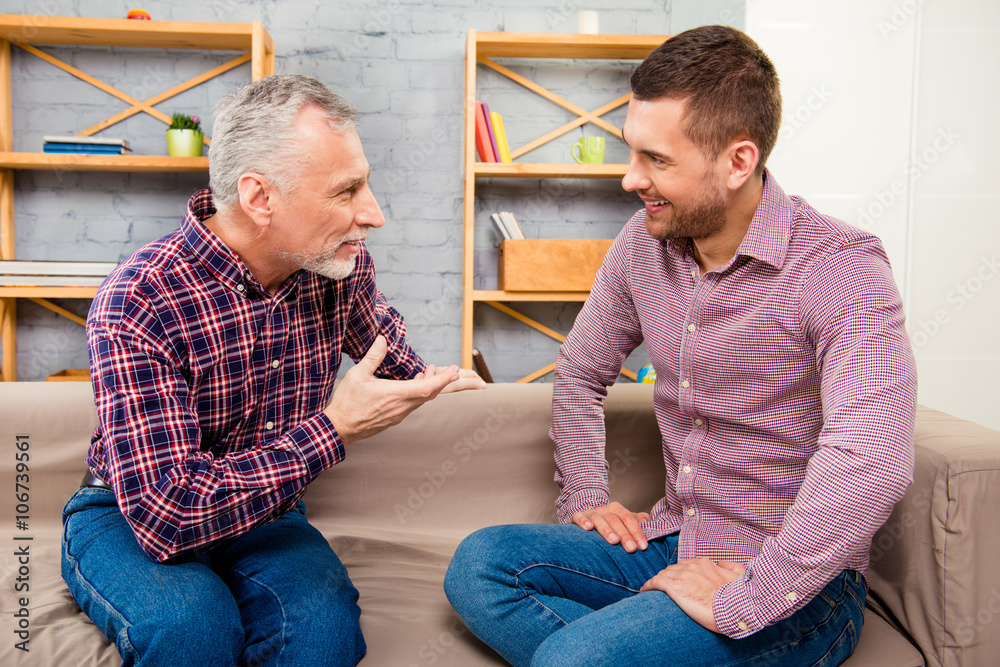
(27, 32)
(481, 48)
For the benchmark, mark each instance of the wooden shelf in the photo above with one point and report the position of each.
(48, 292)
(84, 162)
(23, 29)
(544, 170)
(569, 45)
(70, 375)
(501, 295)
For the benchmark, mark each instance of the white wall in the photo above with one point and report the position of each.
(890, 113)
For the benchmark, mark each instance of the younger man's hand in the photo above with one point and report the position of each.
(693, 583)
(615, 524)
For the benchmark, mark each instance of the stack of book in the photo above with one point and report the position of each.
(507, 225)
(491, 139)
(88, 145)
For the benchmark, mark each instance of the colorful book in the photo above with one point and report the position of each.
(489, 128)
(92, 149)
(501, 134)
(483, 144)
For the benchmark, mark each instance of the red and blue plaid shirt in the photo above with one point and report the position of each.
(785, 394)
(210, 390)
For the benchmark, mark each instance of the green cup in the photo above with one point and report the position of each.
(591, 150)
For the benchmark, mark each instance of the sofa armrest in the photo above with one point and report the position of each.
(932, 573)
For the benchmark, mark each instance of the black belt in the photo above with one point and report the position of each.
(92, 480)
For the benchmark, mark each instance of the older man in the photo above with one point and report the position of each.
(785, 392)
(214, 352)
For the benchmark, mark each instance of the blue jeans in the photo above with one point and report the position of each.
(561, 596)
(276, 595)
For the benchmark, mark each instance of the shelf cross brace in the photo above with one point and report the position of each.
(145, 106)
(551, 333)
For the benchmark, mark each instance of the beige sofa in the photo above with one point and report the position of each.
(395, 509)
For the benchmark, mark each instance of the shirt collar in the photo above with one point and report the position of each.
(771, 226)
(216, 256)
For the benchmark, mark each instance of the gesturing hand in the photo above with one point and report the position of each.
(362, 405)
(615, 524)
(467, 379)
(693, 583)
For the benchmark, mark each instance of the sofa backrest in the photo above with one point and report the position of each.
(56, 420)
(480, 458)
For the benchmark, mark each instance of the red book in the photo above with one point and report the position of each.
(492, 132)
(483, 144)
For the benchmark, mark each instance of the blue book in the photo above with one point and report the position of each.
(92, 149)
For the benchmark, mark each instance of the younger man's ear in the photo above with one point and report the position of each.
(256, 198)
(743, 156)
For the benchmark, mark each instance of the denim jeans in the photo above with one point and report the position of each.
(561, 596)
(276, 595)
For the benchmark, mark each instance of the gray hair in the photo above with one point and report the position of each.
(254, 131)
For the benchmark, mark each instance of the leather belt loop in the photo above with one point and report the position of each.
(93, 481)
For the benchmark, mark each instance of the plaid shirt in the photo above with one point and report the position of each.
(785, 394)
(210, 390)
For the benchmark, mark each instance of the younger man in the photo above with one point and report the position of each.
(785, 392)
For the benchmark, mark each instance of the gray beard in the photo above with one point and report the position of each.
(324, 264)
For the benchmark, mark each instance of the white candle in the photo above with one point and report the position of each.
(586, 21)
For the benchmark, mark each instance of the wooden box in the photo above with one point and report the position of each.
(550, 265)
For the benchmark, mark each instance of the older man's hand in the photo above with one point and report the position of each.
(363, 405)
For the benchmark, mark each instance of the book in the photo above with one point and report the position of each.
(74, 139)
(492, 132)
(480, 364)
(89, 149)
(501, 135)
(512, 225)
(483, 145)
(498, 221)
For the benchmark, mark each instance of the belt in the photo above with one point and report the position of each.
(93, 481)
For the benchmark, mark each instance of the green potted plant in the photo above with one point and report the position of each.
(184, 136)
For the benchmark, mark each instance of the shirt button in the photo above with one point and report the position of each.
(269, 425)
(692, 328)
(691, 512)
(694, 273)
(699, 422)
(686, 470)
(791, 596)
(741, 625)
(685, 384)
(240, 288)
(275, 363)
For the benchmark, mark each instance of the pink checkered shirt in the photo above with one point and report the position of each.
(210, 390)
(785, 394)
